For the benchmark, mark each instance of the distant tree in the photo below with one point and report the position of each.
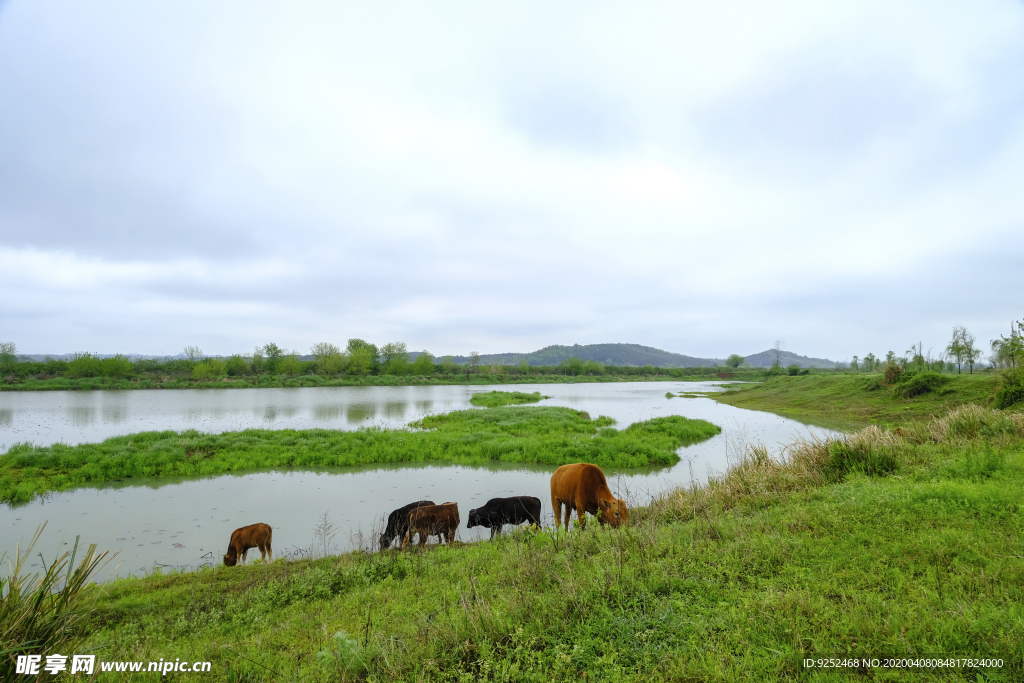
(273, 354)
(235, 366)
(474, 361)
(593, 367)
(524, 367)
(777, 351)
(448, 366)
(870, 363)
(259, 361)
(1008, 352)
(572, 366)
(119, 366)
(290, 364)
(8, 356)
(855, 364)
(957, 348)
(793, 370)
(971, 352)
(394, 358)
(327, 359)
(193, 353)
(360, 361)
(734, 361)
(423, 366)
(84, 364)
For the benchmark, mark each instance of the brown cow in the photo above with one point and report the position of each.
(252, 536)
(433, 520)
(582, 487)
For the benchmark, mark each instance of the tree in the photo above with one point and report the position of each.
(855, 364)
(474, 361)
(360, 361)
(392, 351)
(777, 350)
(448, 366)
(423, 366)
(971, 352)
(870, 363)
(193, 353)
(1008, 352)
(327, 359)
(8, 356)
(369, 351)
(956, 349)
(734, 361)
(273, 354)
(259, 361)
(290, 364)
(572, 366)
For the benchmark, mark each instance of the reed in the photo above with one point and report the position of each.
(45, 613)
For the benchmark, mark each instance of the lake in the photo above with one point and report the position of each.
(186, 522)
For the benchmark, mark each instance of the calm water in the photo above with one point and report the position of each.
(185, 522)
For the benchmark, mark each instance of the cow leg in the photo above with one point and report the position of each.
(581, 512)
(270, 551)
(406, 540)
(263, 552)
(245, 551)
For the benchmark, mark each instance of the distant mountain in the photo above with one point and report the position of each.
(638, 355)
(609, 354)
(765, 359)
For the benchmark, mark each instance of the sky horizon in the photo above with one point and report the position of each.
(698, 179)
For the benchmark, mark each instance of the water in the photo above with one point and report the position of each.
(186, 522)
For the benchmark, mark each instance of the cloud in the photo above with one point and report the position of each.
(700, 178)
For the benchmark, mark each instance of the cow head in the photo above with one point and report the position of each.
(385, 541)
(613, 512)
(231, 559)
(474, 519)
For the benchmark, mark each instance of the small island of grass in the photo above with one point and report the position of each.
(496, 399)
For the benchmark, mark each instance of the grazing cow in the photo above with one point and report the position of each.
(582, 487)
(252, 536)
(501, 511)
(434, 520)
(398, 523)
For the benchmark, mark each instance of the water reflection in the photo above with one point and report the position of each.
(80, 416)
(395, 409)
(361, 412)
(6, 417)
(329, 412)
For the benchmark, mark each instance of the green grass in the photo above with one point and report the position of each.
(854, 401)
(542, 435)
(495, 399)
(739, 582)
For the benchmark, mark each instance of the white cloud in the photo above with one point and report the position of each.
(704, 178)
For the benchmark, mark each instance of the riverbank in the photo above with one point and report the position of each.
(883, 543)
(288, 381)
(852, 401)
(527, 434)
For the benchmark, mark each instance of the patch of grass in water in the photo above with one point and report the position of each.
(496, 399)
(540, 435)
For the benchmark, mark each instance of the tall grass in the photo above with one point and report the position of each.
(758, 479)
(45, 613)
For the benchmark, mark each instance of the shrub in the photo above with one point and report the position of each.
(892, 372)
(1011, 392)
(793, 370)
(117, 366)
(910, 384)
(84, 365)
(235, 366)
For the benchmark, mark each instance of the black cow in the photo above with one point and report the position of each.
(398, 523)
(501, 511)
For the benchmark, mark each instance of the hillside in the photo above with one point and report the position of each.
(638, 355)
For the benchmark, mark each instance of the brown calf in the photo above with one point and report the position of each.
(582, 487)
(252, 536)
(433, 520)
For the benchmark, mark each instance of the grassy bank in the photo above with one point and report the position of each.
(856, 400)
(295, 381)
(547, 435)
(881, 543)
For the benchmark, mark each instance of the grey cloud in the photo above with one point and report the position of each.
(569, 114)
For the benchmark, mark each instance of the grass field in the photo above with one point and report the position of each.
(542, 435)
(881, 543)
(847, 401)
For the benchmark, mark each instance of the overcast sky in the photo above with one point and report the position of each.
(700, 177)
